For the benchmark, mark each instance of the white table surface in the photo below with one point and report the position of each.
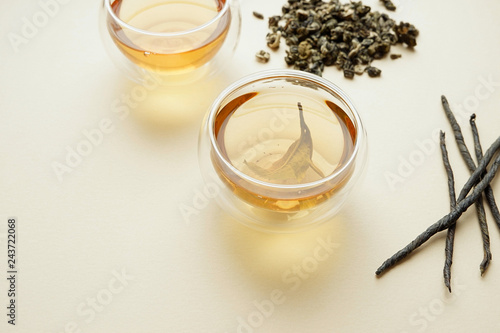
(118, 213)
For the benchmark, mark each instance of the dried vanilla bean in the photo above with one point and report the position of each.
(450, 235)
(481, 214)
(463, 202)
(488, 192)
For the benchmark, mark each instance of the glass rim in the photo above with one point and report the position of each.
(288, 73)
(165, 34)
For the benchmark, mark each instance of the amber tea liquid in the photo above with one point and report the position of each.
(265, 137)
(169, 54)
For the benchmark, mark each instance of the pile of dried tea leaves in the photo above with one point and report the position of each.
(349, 36)
(479, 187)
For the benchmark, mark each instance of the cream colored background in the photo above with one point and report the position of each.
(120, 209)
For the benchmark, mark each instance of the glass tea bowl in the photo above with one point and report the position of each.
(284, 148)
(177, 41)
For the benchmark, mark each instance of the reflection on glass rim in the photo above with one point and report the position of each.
(284, 74)
(110, 11)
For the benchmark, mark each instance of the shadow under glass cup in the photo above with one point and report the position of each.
(178, 40)
(284, 148)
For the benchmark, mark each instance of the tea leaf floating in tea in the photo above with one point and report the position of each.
(297, 159)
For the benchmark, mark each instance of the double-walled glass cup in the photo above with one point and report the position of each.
(179, 41)
(284, 148)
